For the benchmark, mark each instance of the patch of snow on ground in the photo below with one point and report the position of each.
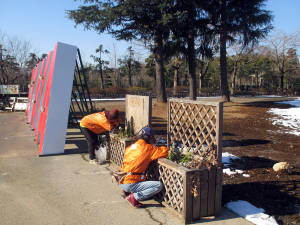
(289, 118)
(250, 213)
(244, 208)
(226, 158)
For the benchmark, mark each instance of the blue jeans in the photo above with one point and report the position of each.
(143, 190)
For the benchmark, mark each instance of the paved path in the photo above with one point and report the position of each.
(66, 189)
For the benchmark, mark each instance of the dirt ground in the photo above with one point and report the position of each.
(248, 133)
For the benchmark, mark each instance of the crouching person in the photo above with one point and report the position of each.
(136, 160)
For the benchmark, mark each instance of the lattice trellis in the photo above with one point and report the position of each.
(173, 184)
(117, 148)
(195, 125)
(138, 111)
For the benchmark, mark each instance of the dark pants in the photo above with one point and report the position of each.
(92, 141)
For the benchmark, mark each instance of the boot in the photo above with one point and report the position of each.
(125, 194)
(134, 203)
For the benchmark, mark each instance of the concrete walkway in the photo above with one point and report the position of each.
(66, 189)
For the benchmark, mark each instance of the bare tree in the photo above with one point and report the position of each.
(14, 55)
(279, 45)
(113, 62)
(19, 49)
(237, 53)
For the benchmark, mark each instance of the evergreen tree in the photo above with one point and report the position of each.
(293, 66)
(150, 66)
(130, 19)
(101, 51)
(189, 23)
(243, 21)
(128, 65)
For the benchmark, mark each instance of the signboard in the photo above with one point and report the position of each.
(49, 98)
(9, 89)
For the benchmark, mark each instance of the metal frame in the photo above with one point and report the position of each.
(80, 86)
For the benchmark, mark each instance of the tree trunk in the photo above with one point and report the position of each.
(101, 77)
(281, 81)
(223, 62)
(175, 79)
(233, 76)
(159, 66)
(201, 78)
(191, 53)
(129, 75)
(203, 72)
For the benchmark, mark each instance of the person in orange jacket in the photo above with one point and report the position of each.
(136, 160)
(96, 123)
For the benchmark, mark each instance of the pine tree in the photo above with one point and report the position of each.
(141, 20)
(243, 21)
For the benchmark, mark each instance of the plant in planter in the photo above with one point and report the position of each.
(190, 160)
(178, 156)
(119, 142)
(190, 183)
(127, 132)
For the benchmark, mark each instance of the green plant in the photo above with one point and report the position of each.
(179, 157)
(127, 132)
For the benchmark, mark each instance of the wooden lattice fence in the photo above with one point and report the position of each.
(195, 126)
(116, 148)
(191, 193)
(138, 111)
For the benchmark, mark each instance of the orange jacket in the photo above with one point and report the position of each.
(97, 122)
(137, 158)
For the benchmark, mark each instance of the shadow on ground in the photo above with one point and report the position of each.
(247, 142)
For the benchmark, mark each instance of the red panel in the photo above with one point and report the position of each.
(33, 76)
(43, 93)
(37, 97)
(45, 103)
(40, 93)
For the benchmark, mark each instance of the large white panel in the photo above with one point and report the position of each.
(59, 99)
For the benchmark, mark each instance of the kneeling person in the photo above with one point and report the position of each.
(136, 160)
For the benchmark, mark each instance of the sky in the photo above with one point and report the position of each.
(44, 23)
